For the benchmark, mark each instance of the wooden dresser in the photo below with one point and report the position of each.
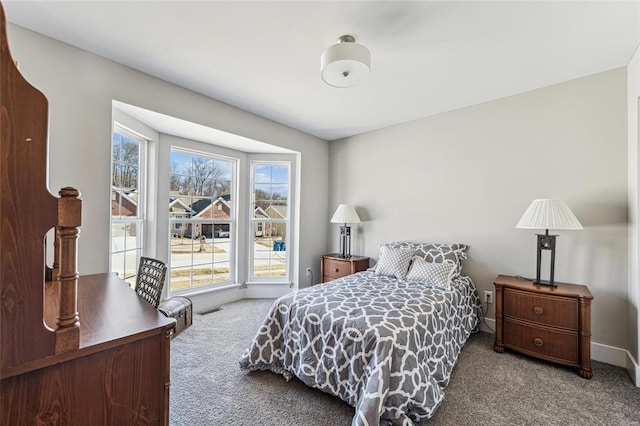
(119, 374)
(333, 266)
(74, 350)
(550, 323)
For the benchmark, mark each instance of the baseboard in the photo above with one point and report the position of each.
(633, 369)
(488, 322)
(609, 354)
(266, 290)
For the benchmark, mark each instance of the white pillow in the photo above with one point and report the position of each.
(394, 261)
(437, 274)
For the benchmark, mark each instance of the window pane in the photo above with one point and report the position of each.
(117, 263)
(126, 233)
(270, 258)
(181, 241)
(200, 188)
(116, 148)
(202, 275)
(277, 210)
(262, 173)
(221, 272)
(180, 277)
(130, 266)
(280, 174)
(118, 240)
(126, 204)
(129, 152)
(116, 176)
(115, 203)
(270, 219)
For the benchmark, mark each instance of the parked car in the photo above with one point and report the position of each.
(222, 234)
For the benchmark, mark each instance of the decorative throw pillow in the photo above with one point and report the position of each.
(437, 274)
(394, 261)
(436, 253)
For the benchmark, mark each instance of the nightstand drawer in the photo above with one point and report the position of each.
(542, 309)
(336, 268)
(333, 266)
(543, 342)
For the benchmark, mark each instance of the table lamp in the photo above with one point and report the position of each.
(345, 214)
(548, 214)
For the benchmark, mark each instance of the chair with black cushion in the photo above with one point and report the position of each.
(150, 280)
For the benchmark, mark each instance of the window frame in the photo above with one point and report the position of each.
(252, 222)
(231, 222)
(141, 207)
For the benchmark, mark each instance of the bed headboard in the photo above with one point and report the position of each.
(27, 212)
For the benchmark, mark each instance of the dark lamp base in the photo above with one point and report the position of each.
(545, 282)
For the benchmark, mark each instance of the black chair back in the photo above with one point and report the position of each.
(150, 280)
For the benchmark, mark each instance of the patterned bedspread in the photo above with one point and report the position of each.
(383, 345)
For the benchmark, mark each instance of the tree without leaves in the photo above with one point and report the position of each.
(263, 199)
(200, 178)
(125, 164)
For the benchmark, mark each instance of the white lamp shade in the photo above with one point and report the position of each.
(345, 64)
(345, 214)
(548, 214)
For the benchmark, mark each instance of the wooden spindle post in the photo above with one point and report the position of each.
(69, 219)
(55, 268)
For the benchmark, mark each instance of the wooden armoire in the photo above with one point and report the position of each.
(74, 350)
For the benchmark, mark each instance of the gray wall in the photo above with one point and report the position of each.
(633, 137)
(468, 176)
(80, 88)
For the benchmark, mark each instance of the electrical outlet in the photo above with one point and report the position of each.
(488, 297)
(308, 271)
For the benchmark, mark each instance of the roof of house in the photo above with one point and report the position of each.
(176, 204)
(203, 204)
(277, 212)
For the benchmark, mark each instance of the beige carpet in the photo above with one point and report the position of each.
(486, 388)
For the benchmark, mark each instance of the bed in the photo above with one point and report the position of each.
(384, 340)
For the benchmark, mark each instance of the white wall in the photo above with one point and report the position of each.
(81, 86)
(633, 137)
(468, 175)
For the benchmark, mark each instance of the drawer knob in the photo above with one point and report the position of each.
(538, 310)
(538, 341)
(337, 270)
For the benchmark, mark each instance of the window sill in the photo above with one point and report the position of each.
(276, 283)
(206, 290)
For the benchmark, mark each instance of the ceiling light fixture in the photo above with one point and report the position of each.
(345, 64)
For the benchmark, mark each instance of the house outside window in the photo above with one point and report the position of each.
(270, 220)
(202, 219)
(127, 202)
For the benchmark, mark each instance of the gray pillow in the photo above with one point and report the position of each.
(394, 261)
(435, 252)
(436, 274)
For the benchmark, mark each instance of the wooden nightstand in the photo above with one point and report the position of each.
(333, 266)
(550, 323)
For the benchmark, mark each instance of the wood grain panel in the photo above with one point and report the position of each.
(336, 268)
(121, 386)
(333, 266)
(547, 322)
(551, 344)
(27, 212)
(549, 310)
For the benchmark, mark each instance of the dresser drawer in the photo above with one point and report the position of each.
(336, 268)
(542, 309)
(543, 342)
